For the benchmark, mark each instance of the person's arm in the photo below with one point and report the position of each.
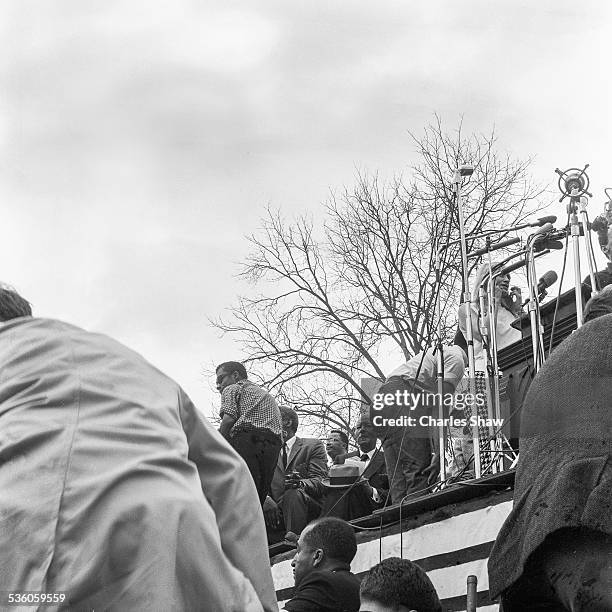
(317, 470)
(230, 410)
(226, 425)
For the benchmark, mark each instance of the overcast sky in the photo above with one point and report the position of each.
(141, 140)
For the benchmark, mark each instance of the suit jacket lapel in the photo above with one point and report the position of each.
(374, 466)
(294, 450)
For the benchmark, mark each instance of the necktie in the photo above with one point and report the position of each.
(364, 457)
(284, 455)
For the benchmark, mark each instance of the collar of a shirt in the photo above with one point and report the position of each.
(289, 444)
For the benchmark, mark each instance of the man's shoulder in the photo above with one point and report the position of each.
(310, 442)
(341, 583)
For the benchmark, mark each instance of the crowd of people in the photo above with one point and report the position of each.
(119, 493)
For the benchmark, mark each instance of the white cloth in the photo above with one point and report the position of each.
(504, 332)
(454, 366)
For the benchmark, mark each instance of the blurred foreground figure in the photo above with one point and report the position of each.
(115, 490)
(554, 552)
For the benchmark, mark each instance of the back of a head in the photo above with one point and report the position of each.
(334, 536)
(396, 583)
(12, 305)
(289, 414)
(598, 305)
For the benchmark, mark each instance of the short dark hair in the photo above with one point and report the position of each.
(12, 305)
(342, 435)
(396, 582)
(233, 366)
(290, 413)
(599, 305)
(335, 537)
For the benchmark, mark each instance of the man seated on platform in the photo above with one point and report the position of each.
(398, 585)
(410, 449)
(372, 461)
(346, 494)
(295, 494)
(554, 551)
(337, 446)
(322, 569)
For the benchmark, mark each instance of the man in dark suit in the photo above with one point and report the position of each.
(375, 470)
(322, 569)
(554, 552)
(295, 495)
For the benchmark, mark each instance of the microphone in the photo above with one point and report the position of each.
(499, 245)
(547, 243)
(544, 229)
(548, 278)
(519, 264)
(544, 220)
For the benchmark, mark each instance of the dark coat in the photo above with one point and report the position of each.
(308, 457)
(376, 474)
(326, 591)
(564, 474)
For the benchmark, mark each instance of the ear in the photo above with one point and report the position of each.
(318, 557)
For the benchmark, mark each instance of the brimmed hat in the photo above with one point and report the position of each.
(341, 476)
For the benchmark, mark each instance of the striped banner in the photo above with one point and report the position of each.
(449, 549)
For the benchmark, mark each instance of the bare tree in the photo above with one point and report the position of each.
(333, 297)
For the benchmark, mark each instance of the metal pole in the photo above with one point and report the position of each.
(575, 234)
(467, 300)
(472, 594)
(440, 373)
(589, 244)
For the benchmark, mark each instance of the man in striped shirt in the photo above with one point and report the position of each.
(250, 422)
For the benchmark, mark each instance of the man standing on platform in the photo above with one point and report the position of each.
(409, 451)
(251, 423)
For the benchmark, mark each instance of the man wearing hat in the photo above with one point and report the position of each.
(346, 494)
(554, 551)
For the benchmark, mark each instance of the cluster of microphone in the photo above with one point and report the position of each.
(543, 240)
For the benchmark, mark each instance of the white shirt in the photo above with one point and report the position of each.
(454, 367)
(289, 445)
(504, 333)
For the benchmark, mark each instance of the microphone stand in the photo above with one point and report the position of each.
(575, 234)
(574, 183)
(466, 300)
(440, 372)
(490, 348)
(537, 330)
(589, 244)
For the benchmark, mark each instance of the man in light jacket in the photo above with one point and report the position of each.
(116, 492)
